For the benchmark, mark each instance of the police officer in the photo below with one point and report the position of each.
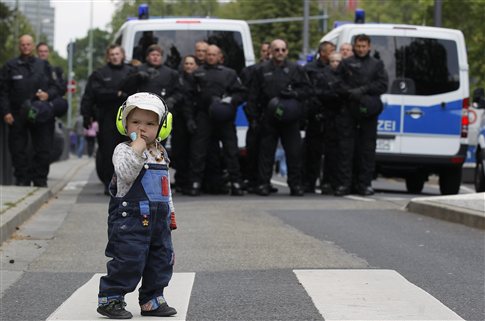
(154, 77)
(314, 131)
(253, 133)
(101, 100)
(328, 89)
(184, 126)
(218, 91)
(281, 79)
(200, 52)
(365, 79)
(27, 86)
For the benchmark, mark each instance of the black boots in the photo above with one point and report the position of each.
(236, 189)
(193, 189)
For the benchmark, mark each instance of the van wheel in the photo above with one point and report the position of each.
(479, 175)
(414, 184)
(450, 181)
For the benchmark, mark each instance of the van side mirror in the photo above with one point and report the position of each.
(479, 98)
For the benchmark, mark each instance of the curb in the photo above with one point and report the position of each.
(14, 217)
(445, 212)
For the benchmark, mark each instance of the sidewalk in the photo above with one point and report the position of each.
(18, 203)
(467, 209)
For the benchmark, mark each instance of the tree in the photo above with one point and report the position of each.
(101, 40)
(8, 36)
(165, 8)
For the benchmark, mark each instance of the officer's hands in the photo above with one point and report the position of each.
(356, 93)
(87, 121)
(8, 119)
(286, 93)
(42, 95)
(122, 95)
(191, 126)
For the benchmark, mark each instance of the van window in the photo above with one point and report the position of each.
(178, 43)
(418, 66)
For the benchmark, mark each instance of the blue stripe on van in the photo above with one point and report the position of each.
(389, 119)
(435, 120)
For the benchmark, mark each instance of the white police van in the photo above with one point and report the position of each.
(177, 36)
(424, 125)
(479, 105)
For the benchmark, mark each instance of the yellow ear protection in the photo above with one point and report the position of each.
(164, 129)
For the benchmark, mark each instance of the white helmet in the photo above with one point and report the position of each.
(147, 101)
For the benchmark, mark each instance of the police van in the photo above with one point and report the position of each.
(423, 128)
(177, 36)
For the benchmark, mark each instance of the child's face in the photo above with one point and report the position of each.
(144, 123)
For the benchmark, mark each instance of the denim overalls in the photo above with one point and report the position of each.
(139, 239)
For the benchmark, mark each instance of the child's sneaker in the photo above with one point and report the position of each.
(115, 310)
(162, 311)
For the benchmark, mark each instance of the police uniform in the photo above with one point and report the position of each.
(270, 81)
(211, 83)
(313, 143)
(364, 76)
(21, 78)
(101, 101)
(160, 80)
(183, 130)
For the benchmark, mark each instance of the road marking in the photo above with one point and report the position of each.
(370, 295)
(81, 305)
(358, 198)
(73, 185)
(275, 182)
(467, 189)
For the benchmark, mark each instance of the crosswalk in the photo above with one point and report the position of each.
(337, 295)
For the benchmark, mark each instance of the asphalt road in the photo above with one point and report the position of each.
(244, 251)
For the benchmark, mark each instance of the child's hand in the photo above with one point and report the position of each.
(173, 222)
(138, 144)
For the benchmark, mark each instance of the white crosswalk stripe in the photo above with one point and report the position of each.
(84, 300)
(370, 295)
(337, 295)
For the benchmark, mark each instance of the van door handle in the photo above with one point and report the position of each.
(414, 112)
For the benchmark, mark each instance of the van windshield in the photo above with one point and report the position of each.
(418, 66)
(178, 43)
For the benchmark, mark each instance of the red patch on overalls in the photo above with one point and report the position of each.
(165, 187)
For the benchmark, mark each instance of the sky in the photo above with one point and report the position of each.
(73, 19)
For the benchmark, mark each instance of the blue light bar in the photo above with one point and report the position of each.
(359, 16)
(143, 11)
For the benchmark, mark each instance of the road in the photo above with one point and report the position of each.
(259, 258)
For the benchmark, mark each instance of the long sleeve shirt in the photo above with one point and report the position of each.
(128, 164)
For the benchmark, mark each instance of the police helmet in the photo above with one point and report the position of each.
(146, 101)
(221, 111)
(284, 110)
(39, 111)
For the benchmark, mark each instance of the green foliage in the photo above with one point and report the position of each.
(9, 34)
(165, 8)
(292, 32)
(101, 40)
